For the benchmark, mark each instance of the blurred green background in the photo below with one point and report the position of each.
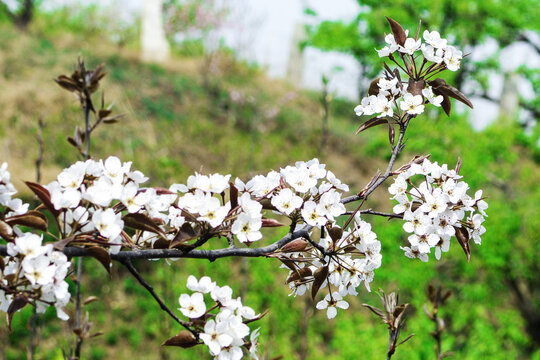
(206, 108)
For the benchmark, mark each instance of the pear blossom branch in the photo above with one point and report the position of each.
(193, 254)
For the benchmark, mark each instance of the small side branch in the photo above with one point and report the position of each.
(127, 263)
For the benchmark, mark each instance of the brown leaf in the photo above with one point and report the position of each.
(233, 191)
(374, 87)
(458, 165)
(440, 87)
(463, 238)
(186, 233)
(320, 276)
(267, 204)
(397, 30)
(32, 219)
(184, 339)
(456, 94)
(6, 232)
(142, 222)
(391, 134)
(271, 223)
(295, 245)
(161, 244)
(101, 255)
(61, 244)
(43, 195)
(371, 123)
(17, 304)
(2, 264)
(300, 274)
(376, 311)
(90, 300)
(335, 233)
(446, 104)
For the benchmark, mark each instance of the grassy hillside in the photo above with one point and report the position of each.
(236, 120)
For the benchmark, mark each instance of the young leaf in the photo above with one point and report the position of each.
(370, 123)
(17, 304)
(186, 233)
(271, 223)
(300, 274)
(43, 195)
(101, 255)
(463, 238)
(295, 246)
(32, 219)
(6, 232)
(184, 339)
(397, 30)
(320, 276)
(142, 222)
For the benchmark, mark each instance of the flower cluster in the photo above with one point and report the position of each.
(7, 190)
(435, 49)
(34, 270)
(38, 272)
(436, 209)
(226, 332)
(342, 261)
(386, 91)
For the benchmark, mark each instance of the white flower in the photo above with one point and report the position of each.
(212, 212)
(175, 217)
(412, 104)
(430, 96)
(252, 207)
(73, 176)
(221, 294)
(101, 192)
(204, 285)
(253, 349)
(130, 197)
(331, 302)
(313, 213)
(434, 204)
(286, 201)
(432, 54)
(38, 270)
(246, 228)
(218, 183)
(387, 50)
(452, 58)
(192, 306)
(399, 186)
(108, 223)
(28, 245)
(413, 253)
(424, 242)
(114, 170)
(410, 46)
(215, 336)
(434, 39)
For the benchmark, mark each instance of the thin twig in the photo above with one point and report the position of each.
(79, 340)
(377, 213)
(395, 152)
(127, 263)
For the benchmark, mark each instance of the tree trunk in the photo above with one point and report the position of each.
(155, 47)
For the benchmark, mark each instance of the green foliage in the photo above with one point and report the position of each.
(465, 23)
